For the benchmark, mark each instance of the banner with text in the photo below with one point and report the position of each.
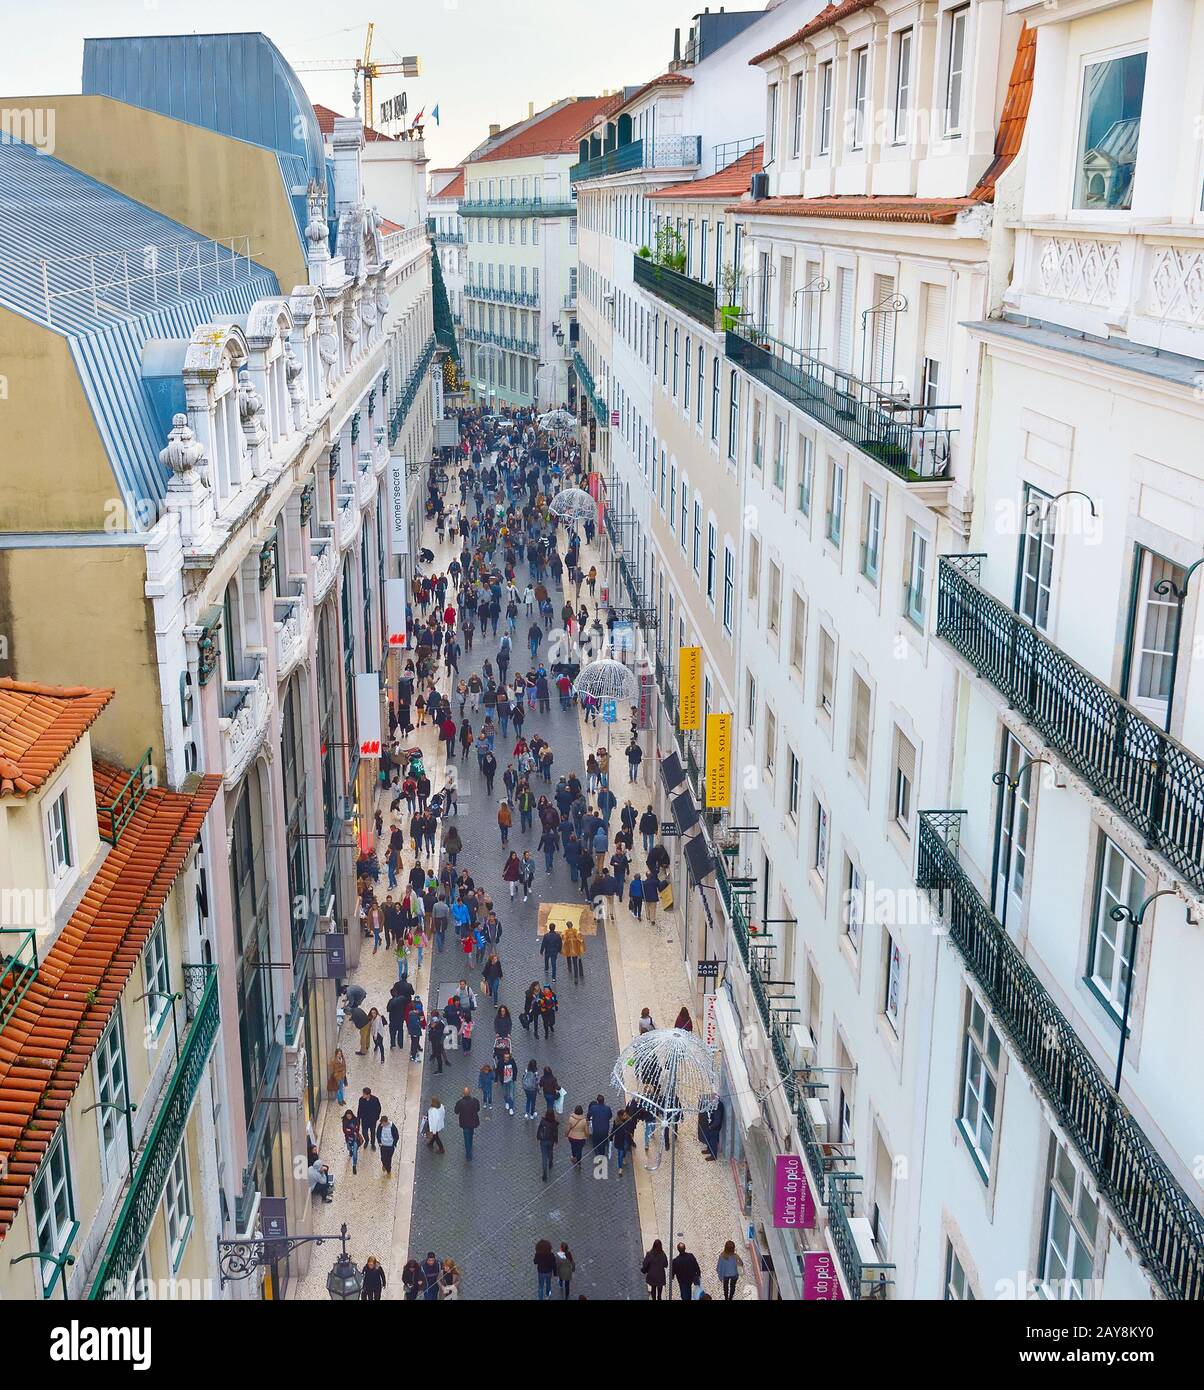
(395, 611)
(367, 713)
(793, 1204)
(399, 508)
(718, 761)
(820, 1284)
(689, 681)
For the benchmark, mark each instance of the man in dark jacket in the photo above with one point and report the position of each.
(414, 1028)
(468, 1112)
(686, 1272)
(550, 948)
(396, 1010)
(368, 1112)
(599, 1116)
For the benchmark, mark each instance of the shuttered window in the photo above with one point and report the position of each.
(859, 731)
(827, 670)
(935, 313)
(881, 328)
(844, 320)
(905, 777)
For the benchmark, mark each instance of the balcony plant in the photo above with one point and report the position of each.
(644, 253)
(729, 310)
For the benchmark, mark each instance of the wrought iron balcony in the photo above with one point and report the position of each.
(409, 392)
(585, 376)
(1126, 759)
(326, 564)
(690, 296)
(517, 207)
(865, 1278)
(128, 1238)
(1164, 1225)
(502, 340)
(18, 968)
(527, 298)
(666, 152)
(449, 238)
(913, 441)
(113, 816)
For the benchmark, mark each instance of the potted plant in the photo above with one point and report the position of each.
(644, 253)
(730, 284)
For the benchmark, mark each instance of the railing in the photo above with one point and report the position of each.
(570, 300)
(113, 816)
(409, 391)
(159, 274)
(449, 238)
(731, 150)
(367, 483)
(128, 1239)
(914, 442)
(527, 298)
(1128, 761)
(1164, 1225)
(393, 244)
(292, 634)
(857, 1272)
(601, 410)
(347, 501)
(666, 152)
(243, 728)
(326, 564)
(690, 296)
(517, 207)
(18, 967)
(502, 340)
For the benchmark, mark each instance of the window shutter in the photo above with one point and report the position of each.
(861, 723)
(844, 322)
(935, 310)
(882, 333)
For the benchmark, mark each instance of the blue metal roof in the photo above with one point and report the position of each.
(111, 268)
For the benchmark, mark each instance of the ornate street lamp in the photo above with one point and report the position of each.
(239, 1259)
(1001, 779)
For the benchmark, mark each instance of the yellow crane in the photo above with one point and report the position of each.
(366, 71)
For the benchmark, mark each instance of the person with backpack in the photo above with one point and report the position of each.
(512, 871)
(548, 1134)
(526, 869)
(530, 1089)
(388, 1136)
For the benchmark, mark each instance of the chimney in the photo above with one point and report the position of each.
(494, 130)
(530, 109)
(677, 45)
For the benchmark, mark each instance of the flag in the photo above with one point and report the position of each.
(435, 113)
(418, 118)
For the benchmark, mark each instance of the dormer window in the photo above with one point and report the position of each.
(859, 96)
(955, 70)
(58, 838)
(1108, 132)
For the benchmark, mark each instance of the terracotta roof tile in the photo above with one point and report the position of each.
(557, 133)
(830, 14)
(731, 182)
(39, 726)
(327, 117)
(46, 1045)
(1014, 116)
(454, 188)
(666, 79)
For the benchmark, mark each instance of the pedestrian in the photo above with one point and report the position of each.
(545, 1269)
(468, 1111)
(431, 1270)
(512, 870)
(336, 1077)
(598, 1117)
(577, 1133)
(635, 755)
(414, 1026)
(547, 1133)
(729, 1267)
(435, 1035)
(530, 1089)
(635, 897)
(412, 1280)
(573, 950)
(485, 1082)
(372, 1283)
(647, 1024)
(551, 1090)
(710, 1128)
(550, 947)
(526, 873)
(687, 1272)
(436, 1118)
(450, 1279)
(506, 1075)
(492, 974)
(352, 1138)
(684, 1021)
(388, 1136)
(621, 1138)
(368, 1114)
(360, 1020)
(380, 1030)
(656, 1262)
(565, 1265)
(505, 819)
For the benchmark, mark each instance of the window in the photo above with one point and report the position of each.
(917, 578)
(823, 142)
(904, 781)
(715, 399)
(871, 537)
(685, 402)
(793, 778)
(1120, 884)
(854, 904)
(957, 1286)
(955, 70)
(1109, 126)
(729, 587)
(980, 1085)
(859, 726)
(779, 454)
(1014, 813)
(1152, 631)
(54, 1210)
(702, 374)
(798, 633)
(155, 977)
(835, 501)
(796, 143)
(902, 121)
(772, 119)
(771, 740)
(751, 703)
(673, 497)
(110, 1093)
(825, 692)
(806, 473)
(711, 557)
(733, 416)
(685, 512)
(664, 472)
(819, 858)
(696, 548)
(676, 354)
(58, 838)
(773, 618)
(859, 66)
(1071, 1223)
(177, 1207)
(756, 435)
(754, 571)
(1034, 579)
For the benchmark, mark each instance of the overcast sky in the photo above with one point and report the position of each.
(482, 60)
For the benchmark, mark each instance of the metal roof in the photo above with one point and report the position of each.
(109, 275)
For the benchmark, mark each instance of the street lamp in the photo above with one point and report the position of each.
(239, 1259)
(127, 1111)
(1001, 779)
(1179, 591)
(61, 1262)
(1123, 913)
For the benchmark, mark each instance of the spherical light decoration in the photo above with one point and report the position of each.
(573, 504)
(606, 679)
(670, 1071)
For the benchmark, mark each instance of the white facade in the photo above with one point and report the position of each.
(447, 229)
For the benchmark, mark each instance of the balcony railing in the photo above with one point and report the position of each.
(601, 410)
(243, 728)
(517, 207)
(349, 516)
(690, 296)
(1164, 1225)
(914, 442)
(292, 634)
(326, 564)
(502, 340)
(409, 392)
(1126, 759)
(449, 238)
(18, 968)
(128, 1238)
(527, 298)
(666, 152)
(113, 816)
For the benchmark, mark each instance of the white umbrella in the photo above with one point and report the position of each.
(573, 504)
(606, 679)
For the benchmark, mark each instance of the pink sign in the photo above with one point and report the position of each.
(793, 1204)
(820, 1284)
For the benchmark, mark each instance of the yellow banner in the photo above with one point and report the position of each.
(719, 761)
(689, 684)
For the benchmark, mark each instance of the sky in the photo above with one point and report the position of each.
(482, 60)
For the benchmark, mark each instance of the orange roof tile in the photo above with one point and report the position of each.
(1014, 116)
(666, 79)
(727, 183)
(454, 188)
(386, 226)
(46, 1045)
(39, 726)
(557, 133)
(830, 14)
(327, 117)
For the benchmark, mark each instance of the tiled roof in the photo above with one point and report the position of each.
(46, 1045)
(557, 133)
(666, 79)
(39, 726)
(932, 211)
(327, 117)
(453, 189)
(731, 182)
(386, 226)
(830, 14)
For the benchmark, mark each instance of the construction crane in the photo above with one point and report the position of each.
(366, 70)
